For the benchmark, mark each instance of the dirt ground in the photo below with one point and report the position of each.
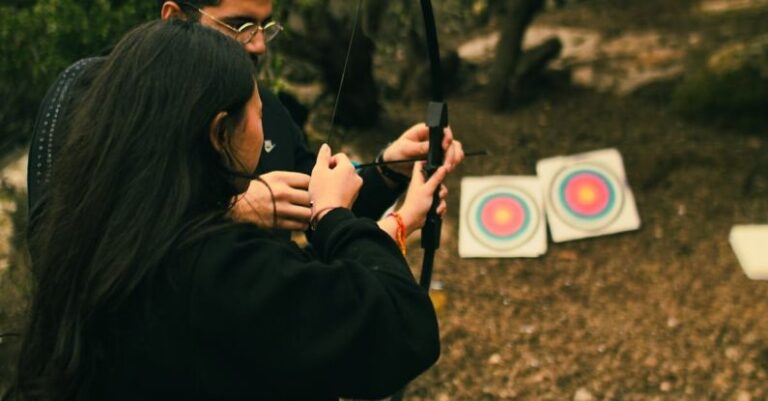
(662, 313)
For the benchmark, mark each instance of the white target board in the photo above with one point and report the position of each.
(750, 243)
(587, 195)
(501, 217)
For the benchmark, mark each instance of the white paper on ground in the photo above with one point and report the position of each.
(750, 244)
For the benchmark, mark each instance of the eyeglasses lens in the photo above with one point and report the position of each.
(270, 31)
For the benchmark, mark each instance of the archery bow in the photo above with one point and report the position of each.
(437, 121)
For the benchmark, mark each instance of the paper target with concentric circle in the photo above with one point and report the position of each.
(501, 216)
(587, 195)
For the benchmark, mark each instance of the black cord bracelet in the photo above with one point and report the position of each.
(401, 180)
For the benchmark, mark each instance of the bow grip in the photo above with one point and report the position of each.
(437, 120)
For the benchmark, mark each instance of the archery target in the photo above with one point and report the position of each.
(586, 195)
(501, 216)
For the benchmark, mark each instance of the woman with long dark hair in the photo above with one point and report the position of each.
(147, 286)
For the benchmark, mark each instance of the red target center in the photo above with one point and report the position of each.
(587, 194)
(502, 216)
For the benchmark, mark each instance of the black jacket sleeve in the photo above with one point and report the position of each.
(375, 196)
(349, 322)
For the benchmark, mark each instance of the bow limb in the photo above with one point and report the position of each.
(344, 71)
(437, 120)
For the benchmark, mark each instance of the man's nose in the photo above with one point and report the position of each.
(257, 45)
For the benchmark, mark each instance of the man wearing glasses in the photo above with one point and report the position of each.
(285, 162)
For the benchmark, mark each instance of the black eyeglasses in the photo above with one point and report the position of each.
(245, 33)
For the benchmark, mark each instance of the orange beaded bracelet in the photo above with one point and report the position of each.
(400, 234)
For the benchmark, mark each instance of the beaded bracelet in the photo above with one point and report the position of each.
(400, 233)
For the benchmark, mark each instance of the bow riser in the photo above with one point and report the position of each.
(437, 120)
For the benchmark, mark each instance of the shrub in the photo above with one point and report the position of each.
(39, 38)
(732, 88)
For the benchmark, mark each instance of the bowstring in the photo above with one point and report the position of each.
(344, 72)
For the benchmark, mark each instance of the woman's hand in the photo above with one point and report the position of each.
(418, 199)
(414, 143)
(334, 182)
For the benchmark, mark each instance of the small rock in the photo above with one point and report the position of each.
(694, 39)
(583, 394)
(672, 322)
(750, 338)
(567, 255)
(743, 396)
(747, 368)
(495, 359)
(732, 353)
(584, 76)
(539, 378)
(601, 348)
(658, 232)
(665, 387)
(650, 362)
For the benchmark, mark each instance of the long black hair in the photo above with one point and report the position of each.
(138, 171)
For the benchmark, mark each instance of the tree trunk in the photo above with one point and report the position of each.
(325, 46)
(518, 16)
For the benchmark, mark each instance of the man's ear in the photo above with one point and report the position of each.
(171, 9)
(218, 134)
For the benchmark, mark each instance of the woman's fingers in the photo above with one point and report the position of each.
(342, 160)
(418, 176)
(334, 182)
(447, 138)
(437, 178)
(293, 212)
(442, 208)
(324, 155)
